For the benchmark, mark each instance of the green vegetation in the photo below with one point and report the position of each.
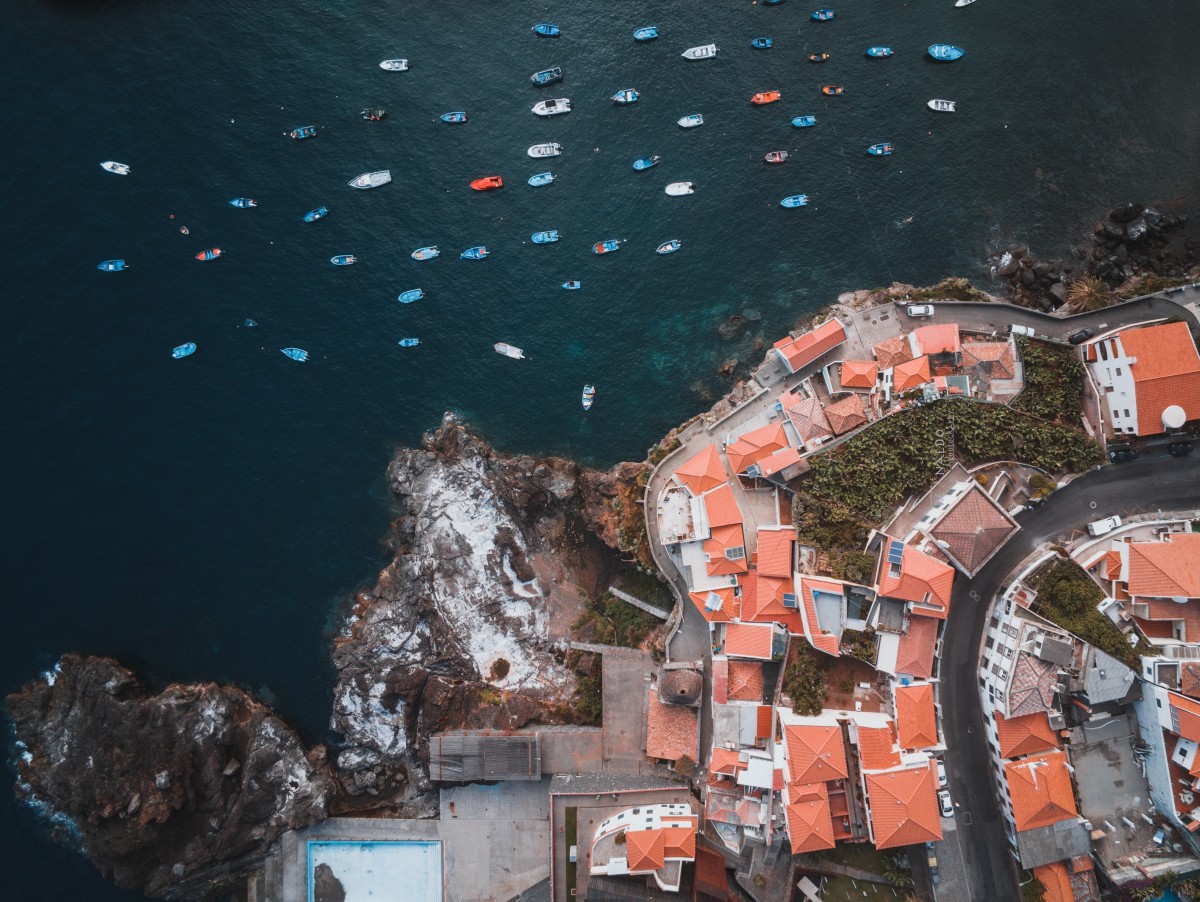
(1053, 382)
(859, 645)
(852, 566)
(648, 587)
(631, 518)
(1149, 284)
(948, 290)
(1067, 596)
(589, 702)
(1089, 293)
(804, 681)
(1032, 889)
(865, 857)
(1041, 485)
(659, 452)
(614, 622)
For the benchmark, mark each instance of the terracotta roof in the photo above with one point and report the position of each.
(1057, 881)
(859, 373)
(721, 507)
(702, 471)
(781, 460)
(916, 717)
(815, 753)
(1112, 564)
(826, 642)
(1190, 679)
(762, 602)
(680, 842)
(745, 681)
(726, 550)
(1031, 686)
(728, 608)
(748, 640)
(914, 654)
(1185, 716)
(1165, 569)
(911, 374)
(877, 748)
(892, 352)
(797, 353)
(903, 807)
(645, 850)
(973, 529)
(808, 416)
(725, 761)
(1040, 789)
(846, 414)
(1025, 735)
(755, 446)
(670, 730)
(939, 339)
(993, 358)
(809, 824)
(922, 579)
(764, 726)
(1167, 372)
(775, 552)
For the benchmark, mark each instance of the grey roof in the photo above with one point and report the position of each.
(539, 892)
(1046, 845)
(1105, 678)
(588, 784)
(1056, 651)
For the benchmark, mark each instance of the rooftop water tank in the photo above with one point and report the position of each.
(1174, 417)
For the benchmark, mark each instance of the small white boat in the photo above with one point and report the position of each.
(941, 106)
(509, 350)
(963, 2)
(556, 107)
(703, 52)
(371, 179)
(118, 168)
(394, 65)
(545, 150)
(589, 395)
(679, 189)
(691, 120)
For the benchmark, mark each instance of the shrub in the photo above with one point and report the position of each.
(685, 765)
(499, 669)
(804, 681)
(615, 622)
(1067, 596)
(589, 702)
(1053, 382)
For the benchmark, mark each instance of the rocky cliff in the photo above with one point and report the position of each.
(175, 794)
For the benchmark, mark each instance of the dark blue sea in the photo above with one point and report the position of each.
(202, 519)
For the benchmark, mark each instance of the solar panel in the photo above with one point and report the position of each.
(789, 599)
(712, 602)
(895, 552)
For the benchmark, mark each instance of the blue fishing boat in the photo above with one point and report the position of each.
(691, 120)
(305, 131)
(625, 95)
(649, 33)
(645, 163)
(573, 285)
(111, 266)
(879, 150)
(456, 116)
(548, 237)
(945, 53)
(669, 247)
(795, 200)
(822, 15)
(804, 121)
(343, 260)
(407, 297)
(761, 43)
(545, 77)
(426, 253)
(589, 394)
(546, 30)
(606, 247)
(318, 213)
(542, 178)
(298, 354)
(184, 350)
(243, 202)
(249, 323)
(879, 52)
(475, 253)
(409, 342)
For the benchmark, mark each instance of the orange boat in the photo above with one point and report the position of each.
(764, 97)
(210, 254)
(833, 90)
(487, 183)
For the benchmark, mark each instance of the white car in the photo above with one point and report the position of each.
(945, 804)
(1102, 527)
(919, 309)
(941, 769)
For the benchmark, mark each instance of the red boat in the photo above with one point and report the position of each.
(211, 254)
(833, 90)
(764, 97)
(487, 183)
(776, 156)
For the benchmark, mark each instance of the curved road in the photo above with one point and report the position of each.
(1154, 481)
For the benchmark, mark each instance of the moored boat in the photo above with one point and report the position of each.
(111, 265)
(556, 107)
(549, 236)
(822, 15)
(343, 260)
(795, 200)
(703, 52)
(833, 90)
(298, 354)
(879, 52)
(607, 246)
(371, 179)
(318, 213)
(426, 253)
(679, 189)
(625, 95)
(243, 202)
(544, 77)
(409, 342)
(413, 294)
(211, 254)
(649, 33)
(945, 53)
(691, 120)
(963, 2)
(589, 395)
(187, 349)
(394, 65)
(542, 178)
(818, 57)
(765, 97)
(304, 131)
(115, 167)
(776, 156)
(475, 253)
(572, 285)
(546, 30)
(669, 247)
(549, 149)
(645, 163)
(373, 113)
(761, 43)
(454, 116)
(804, 121)
(941, 106)
(488, 183)
(879, 150)
(503, 347)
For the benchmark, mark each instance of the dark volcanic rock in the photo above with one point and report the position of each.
(175, 794)
(1127, 213)
(326, 886)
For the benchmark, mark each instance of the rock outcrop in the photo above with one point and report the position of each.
(174, 794)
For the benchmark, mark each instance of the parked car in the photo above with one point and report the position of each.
(919, 309)
(1179, 449)
(1022, 330)
(931, 860)
(945, 804)
(1079, 336)
(1102, 527)
(941, 769)
(1121, 453)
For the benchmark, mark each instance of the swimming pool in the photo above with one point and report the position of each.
(407, 871)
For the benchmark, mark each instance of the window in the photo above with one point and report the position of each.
(1158, 701)
(894, 571)
(990, 643)
(789, 600)
(1126, 411)
(1118, 371)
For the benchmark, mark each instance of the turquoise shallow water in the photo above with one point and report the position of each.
(200, 519)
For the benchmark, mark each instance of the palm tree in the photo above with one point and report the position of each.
(1088, 293)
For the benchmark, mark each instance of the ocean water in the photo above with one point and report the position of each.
(202, 519)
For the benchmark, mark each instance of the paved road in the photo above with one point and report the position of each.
(1155, 480)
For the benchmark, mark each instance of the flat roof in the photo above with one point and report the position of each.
(403, 871)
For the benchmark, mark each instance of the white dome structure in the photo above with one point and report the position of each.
(1173, 417)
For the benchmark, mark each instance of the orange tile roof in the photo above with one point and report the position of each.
(910, 374)
(755, 446)
(922, 579)
(1167, 373)
(780, 460)
(807, 415)
(764, 603)
(808, 612)
(859, 373)
(809, 823)
(914, 654)
(702, 472)
(725, 761)
(724, 559)
(1185, 716)
(798, 353)
(1057, 881)
(815, 753)
(764, 725)
(846, 414)
(973, 529)
(993, 357)
(680, 842)
(939, 339)
(892, 352)
(916, 717)
(645, 850)
(1166, 569)
(745, 681)
(728, 609)
(1040, 789)
(877, 748)
(671, 730)
(1112, 564)
(1025, 735)
(903, 807)
(775, 552)
(748, 640)
(721, 507)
